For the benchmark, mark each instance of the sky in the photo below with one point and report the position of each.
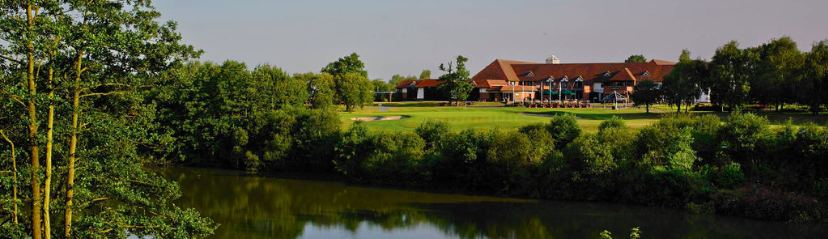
(405, 37)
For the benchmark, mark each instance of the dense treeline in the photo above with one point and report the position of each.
(73, 122)
(739, 166)
(772, 74)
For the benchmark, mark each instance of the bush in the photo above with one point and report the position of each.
(432, 131)
(564, 129)
(743, 134)
(590, 157)
(614, 122)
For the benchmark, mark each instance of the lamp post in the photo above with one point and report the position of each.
(560, 88)
(548, 80)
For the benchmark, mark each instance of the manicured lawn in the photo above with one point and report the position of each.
(483, 118)
(461, 118)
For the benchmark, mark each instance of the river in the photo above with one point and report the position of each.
(250, 206)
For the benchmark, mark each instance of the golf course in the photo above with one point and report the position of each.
(489, 115)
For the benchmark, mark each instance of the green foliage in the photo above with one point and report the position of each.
(456, 82)
(321, 89)
(683, 85)
(564, 129)
(814, 81)
(590, 156)
(729, 76)
(636, 59)
(612, 123)
(646, 93)
(354, 90)
(432, 131)
(426, 74)
(743, 136)
(345, 65)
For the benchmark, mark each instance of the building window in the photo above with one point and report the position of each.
(646, 73)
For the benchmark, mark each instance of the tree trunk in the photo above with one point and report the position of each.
(14, 172)
(47, 186)
(73, 145)
(35, 151)
(648, 108)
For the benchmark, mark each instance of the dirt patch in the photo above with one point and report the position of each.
(381, 118)
(545, 115)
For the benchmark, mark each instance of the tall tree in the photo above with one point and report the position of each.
(96, 55)
(426, 74)
(729, 75)
(342, 67)
(646, 93)
(455, 83)
(815, 77)
(682, 85)
(636, 59)
(776, 77)
(357, 91)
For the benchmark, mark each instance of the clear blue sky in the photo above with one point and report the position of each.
(405, 37)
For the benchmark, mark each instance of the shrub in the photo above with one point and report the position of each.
(730, 176)
(743, 135)
(432, 131)
(590, 156)
(564, 129)
(614, 122)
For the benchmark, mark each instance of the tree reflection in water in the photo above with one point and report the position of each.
(265, 207)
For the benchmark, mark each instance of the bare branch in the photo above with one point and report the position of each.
(104, 93)
(11, 59)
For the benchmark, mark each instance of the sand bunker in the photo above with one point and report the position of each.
(381, 118)
(545, 115)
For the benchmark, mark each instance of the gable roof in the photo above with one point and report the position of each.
(589, 72)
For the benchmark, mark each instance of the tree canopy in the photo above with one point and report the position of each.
(646, 93)
(636, 59)
(456, 80)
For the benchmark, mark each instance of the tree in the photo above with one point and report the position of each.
(396, 79)
(682, 85)
(646, 93)
(347, 64)
(381, 85)
(775, 76)
(729, 76)
(338, 69)
(357, 91)
(815, 77)
(321, 89)
(92, 60)
(426, 74)
(636, 59)
(455, 83)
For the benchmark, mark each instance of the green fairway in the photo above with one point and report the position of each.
(461, 118)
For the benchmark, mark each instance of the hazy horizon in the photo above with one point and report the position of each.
(405, 37)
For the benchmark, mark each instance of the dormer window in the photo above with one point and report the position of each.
(528, 74)
(607, 74)
(646, 73)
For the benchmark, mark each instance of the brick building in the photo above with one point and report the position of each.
(507, 80)
(513, 80)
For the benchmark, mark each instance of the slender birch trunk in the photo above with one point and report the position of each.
(47, 185)
(35, 151)
(73, 143)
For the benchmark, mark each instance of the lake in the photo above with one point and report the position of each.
(279, 206)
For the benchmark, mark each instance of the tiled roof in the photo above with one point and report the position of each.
(590, 72)
(429, 83)
(663, 62)
(488, 83)
(624, 75)
(405, 83)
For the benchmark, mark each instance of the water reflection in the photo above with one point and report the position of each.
(266, 207)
